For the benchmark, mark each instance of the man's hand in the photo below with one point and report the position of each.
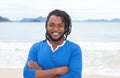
(52, 73)
(34, 65)
(62, 70)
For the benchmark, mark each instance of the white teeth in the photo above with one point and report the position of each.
(55, 33)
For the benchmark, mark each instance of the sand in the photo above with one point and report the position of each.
(11, 73)
(18, 73)
(99, 76)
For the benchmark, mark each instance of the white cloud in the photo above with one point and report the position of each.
(78, 9)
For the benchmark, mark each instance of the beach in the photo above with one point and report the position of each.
(99, 42)
(99, 76)
(99, 61)
(11, 72)
(18, 73)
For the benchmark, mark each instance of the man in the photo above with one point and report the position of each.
(55, 57)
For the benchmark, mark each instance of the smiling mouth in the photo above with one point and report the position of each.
(55, 36)
(55, 33)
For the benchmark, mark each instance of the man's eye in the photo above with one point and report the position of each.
(61, 26)
(51, 25)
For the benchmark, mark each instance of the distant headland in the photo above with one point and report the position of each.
(43, 19)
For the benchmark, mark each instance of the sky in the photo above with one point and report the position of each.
(77, 9)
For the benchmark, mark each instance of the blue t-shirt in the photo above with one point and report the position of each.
(67, 55)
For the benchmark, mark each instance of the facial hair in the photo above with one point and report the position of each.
(49, 37)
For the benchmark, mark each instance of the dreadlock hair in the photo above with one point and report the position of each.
(65, 18)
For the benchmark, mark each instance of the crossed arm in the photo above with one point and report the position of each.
(51, 73)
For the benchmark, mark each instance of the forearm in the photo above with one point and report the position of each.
(51, 73)
(46, 73)
(40, 73)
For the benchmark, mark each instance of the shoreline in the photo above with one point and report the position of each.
(18, 73)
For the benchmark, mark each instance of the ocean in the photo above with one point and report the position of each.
(99, 41)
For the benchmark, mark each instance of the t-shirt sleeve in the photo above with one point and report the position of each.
(75, 66)
(30, 73)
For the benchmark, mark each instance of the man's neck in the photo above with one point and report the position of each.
(56, 43)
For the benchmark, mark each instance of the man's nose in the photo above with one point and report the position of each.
(55, 28)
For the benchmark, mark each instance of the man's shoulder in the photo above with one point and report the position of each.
(72, 44)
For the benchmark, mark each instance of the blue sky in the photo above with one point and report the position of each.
(78, 9)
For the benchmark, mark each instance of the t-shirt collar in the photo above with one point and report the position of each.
(57, 46)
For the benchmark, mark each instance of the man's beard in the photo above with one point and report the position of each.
(49, 37)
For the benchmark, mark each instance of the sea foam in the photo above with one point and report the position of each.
(98, 57)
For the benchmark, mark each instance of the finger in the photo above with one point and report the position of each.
(30, 65)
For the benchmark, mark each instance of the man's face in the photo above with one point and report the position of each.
(55, 27)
